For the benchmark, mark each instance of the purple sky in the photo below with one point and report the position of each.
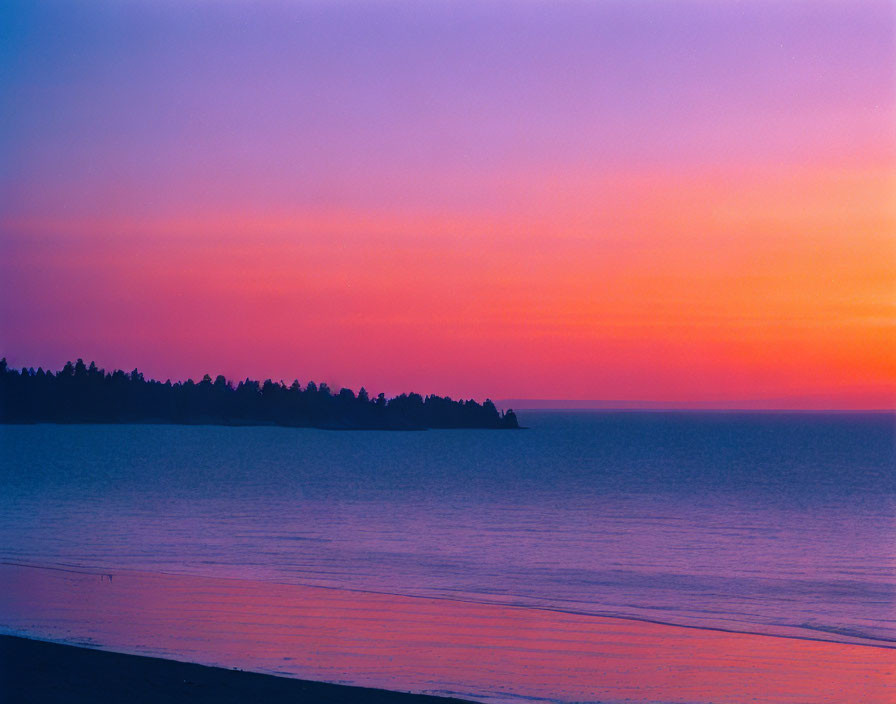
(151, 150)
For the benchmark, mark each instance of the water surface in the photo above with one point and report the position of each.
(763, 523)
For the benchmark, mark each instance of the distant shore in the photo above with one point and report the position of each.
(39, 672)
(79, 393)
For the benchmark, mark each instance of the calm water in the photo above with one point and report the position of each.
(764, 523)
(748, 522)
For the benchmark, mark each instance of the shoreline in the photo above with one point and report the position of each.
(487, 652)
(210, 424)
(815, 635)
(46, 672)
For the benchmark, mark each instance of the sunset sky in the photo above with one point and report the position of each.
(685, 202)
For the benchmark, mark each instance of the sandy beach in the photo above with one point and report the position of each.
(44, 673)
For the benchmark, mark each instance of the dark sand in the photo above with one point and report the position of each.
(38, 672)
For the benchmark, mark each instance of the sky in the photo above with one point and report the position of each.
(691, 203)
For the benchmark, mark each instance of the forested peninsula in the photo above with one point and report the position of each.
(81, 393)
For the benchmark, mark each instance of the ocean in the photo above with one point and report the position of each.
(776, 524)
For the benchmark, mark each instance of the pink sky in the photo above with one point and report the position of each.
(679, 202)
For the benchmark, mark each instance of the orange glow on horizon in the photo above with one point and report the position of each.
(671, 289)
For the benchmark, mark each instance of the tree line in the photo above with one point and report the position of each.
(81, 393)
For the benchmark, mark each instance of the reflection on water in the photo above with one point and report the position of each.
(479, 651)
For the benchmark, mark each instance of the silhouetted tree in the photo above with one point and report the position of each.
(86, 394)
